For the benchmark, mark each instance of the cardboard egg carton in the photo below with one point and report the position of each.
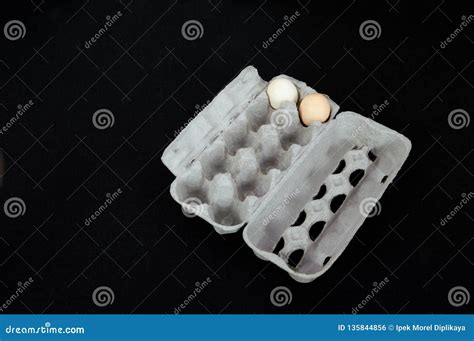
(242, 162)
(235, 150)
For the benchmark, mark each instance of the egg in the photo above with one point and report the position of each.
(314, 107)
(280, 90)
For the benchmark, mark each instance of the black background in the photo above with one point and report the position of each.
(151, 78)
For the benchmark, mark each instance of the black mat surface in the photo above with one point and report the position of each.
(152, 80)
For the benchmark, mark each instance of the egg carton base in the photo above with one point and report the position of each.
(225, 166)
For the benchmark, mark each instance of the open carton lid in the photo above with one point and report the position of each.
(349, 137)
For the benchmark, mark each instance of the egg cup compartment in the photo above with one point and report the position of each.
(326, 195)
(237, 149)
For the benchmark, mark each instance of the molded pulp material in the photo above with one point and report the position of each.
(302, 191)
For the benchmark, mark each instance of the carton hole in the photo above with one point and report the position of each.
(326, 260)
(340, 167)
(372, 156)
(316, 230)
(295, 258)
(336, 202)
(356, 176)
(300, 220)
(321, 192)
(279, 246)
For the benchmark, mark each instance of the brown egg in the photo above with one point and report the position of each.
(314, 107)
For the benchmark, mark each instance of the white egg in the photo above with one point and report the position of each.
(280, 90)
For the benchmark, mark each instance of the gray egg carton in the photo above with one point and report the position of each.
(235, 150)
(240, 162)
